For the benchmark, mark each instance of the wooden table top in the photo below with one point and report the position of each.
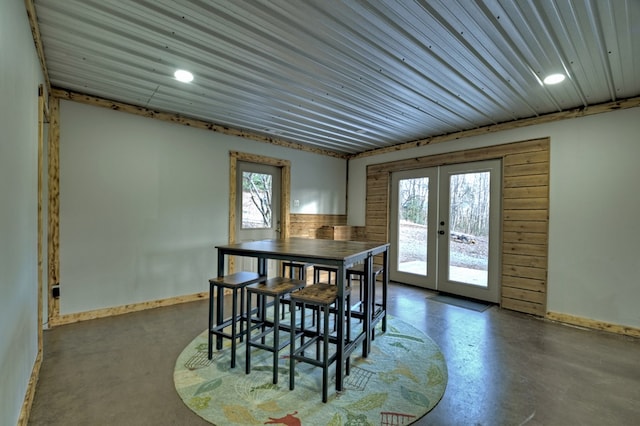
(306, 247)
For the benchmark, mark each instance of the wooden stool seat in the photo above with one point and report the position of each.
(242, 278)
(317, 294)
(276, 288)
(217, 322)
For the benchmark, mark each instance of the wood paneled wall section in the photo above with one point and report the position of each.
(342, 232)
(525, 229)
(308, 225)
(525, 214)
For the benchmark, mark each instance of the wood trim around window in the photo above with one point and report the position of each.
(285, 191)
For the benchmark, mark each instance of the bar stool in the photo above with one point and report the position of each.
(358, 271)
(331, 271)
(295, 270)
(236, 283)
(321, 297)
(276, 288)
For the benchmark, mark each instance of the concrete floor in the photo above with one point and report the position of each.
(505, 368)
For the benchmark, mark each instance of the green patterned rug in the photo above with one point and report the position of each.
(403, 378)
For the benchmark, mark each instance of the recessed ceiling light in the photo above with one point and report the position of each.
(183, 76)
(554, 79)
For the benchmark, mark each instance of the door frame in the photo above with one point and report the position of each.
(285, 192)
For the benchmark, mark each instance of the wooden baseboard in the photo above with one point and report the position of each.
(125, 309)
(25, 412)
(593, 324)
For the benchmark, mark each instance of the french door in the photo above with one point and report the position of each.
(445, 228)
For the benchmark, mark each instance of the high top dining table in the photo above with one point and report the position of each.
(342, 255)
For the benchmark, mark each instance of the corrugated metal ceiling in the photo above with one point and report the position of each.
(346, 76)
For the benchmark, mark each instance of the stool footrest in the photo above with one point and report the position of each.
(221, 333)
(269, 348)
(315, 362)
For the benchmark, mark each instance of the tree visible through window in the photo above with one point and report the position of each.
(256, 200)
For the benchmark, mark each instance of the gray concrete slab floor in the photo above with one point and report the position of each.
(505, 368)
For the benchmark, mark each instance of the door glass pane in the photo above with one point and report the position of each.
(256, 200)
(413, 209)
(469, 228)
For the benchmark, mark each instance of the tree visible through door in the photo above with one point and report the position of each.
(257, 192)
(445, 228)
(469, 228)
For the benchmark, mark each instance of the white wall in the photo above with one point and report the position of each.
(143, 203)
(19, 79)
(594, 229)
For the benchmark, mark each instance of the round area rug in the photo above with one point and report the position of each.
(402, 379)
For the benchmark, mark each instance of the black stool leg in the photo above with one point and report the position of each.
(325, 355)
(348, 327)
(262, 300)
(242, 313)
(302, 323)
(219, 314)
(234, 313)
(317, 321)
(247, 358)
(292, 347)
(373, 307)
(276, 337)
(210, 351)
(361, 282)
